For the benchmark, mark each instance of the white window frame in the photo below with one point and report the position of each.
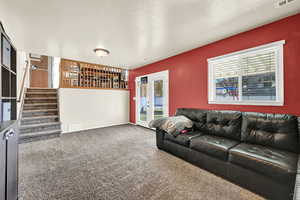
(279, 76)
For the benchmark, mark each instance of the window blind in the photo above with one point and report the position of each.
(252, 76)
(227, 68)
(261, 63)
(244, 65)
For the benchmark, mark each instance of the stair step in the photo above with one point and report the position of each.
(33, 128)
(46, 92)
(38, 98)
(38, 125)
(30, 137)
(40, 89)
(39, 104)
(39, 119)
(41, 110)
(40, 94)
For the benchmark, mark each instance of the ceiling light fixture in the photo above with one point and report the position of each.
(101, 52)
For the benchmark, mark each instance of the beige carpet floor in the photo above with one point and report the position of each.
(115, 163)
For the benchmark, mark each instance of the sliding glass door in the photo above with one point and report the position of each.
(152, 97)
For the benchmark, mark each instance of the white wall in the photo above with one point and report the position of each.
(82, 109)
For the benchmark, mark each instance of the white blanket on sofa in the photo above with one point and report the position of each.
(172, 125)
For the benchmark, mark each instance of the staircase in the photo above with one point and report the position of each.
(40, 116)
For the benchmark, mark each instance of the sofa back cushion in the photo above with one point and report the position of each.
(224, 123)
(198, 117)
(274, 130)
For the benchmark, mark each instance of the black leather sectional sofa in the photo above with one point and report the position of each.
(257, 151)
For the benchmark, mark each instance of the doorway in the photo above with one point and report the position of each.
(152, 97)
(44, 71)
(39, 71)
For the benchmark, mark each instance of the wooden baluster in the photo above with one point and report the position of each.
(108, 82)
(105, 75)
(89, 75)
(95, 77)
(85, 77)
(107, 69)
(100, 74)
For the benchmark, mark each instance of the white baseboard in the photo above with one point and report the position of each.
(93, 128)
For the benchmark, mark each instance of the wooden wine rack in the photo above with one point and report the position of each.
(76, 74)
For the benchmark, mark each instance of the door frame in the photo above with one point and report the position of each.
(150, 94)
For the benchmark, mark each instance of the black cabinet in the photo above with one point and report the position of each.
(9, 161)
(6, 52)
(8, 116)
(8, 76)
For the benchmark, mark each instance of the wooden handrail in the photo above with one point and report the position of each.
(23, 81)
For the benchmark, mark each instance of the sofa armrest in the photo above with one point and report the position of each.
(297, 183)
(160, 134)
(299, 129)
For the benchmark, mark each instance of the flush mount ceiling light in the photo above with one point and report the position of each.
(101, 52)
(283, 3)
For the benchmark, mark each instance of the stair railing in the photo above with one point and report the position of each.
(22, 92)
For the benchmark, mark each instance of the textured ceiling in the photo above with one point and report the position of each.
(136, 32)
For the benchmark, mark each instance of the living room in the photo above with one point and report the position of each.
(150, 100)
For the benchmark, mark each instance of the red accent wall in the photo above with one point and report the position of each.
(188, 71)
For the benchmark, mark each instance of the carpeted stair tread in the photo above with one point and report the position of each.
(39, 117)
(46, 92)
(40, 88)
(39, 104)
(39, 125)
(34, 98)
(43, 89)
(41, 110)
(38, 135)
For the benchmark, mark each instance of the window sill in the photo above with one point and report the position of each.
(249, 103)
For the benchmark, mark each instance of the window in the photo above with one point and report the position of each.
(249, 77)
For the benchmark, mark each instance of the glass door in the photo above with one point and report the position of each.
(158, 97)
(152, 97)
(142, 100)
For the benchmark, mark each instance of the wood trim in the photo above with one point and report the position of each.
(70, 60)
(126, 89)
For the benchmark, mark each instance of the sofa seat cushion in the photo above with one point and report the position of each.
(183, 139)
(213, 145)
(274, 163)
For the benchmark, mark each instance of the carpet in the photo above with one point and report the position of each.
(115, 163)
